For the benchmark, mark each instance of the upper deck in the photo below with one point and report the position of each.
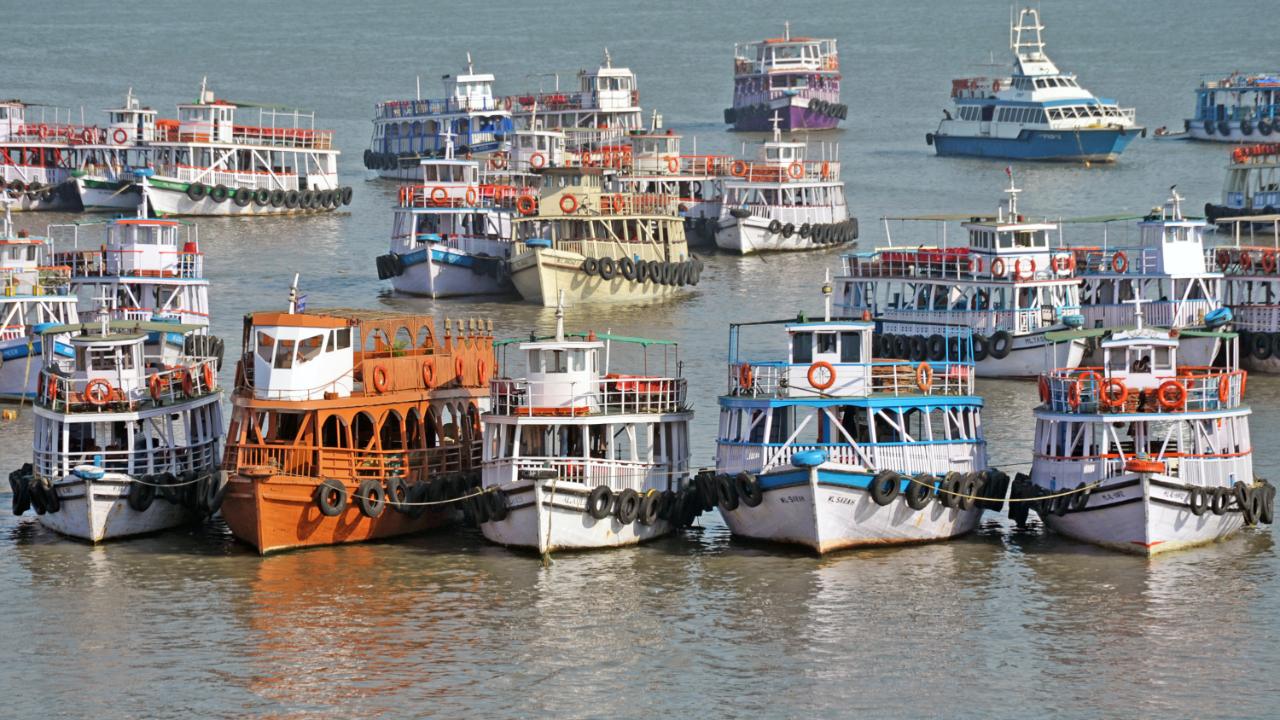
(786, 54)
(213, 122)
(1170, 245)
(129, 248)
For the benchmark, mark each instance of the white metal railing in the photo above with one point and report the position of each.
(610, 395)
(1169, 313)
(984, 321)
(1079, 390)
(936, 457)
(128, 389)
(617, 475)
(1258, 318)
(896, 378)
(197, 457)
(283, 180)
(54, 280)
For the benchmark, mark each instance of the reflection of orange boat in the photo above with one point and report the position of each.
(349, 425)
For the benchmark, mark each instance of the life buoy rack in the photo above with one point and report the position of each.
(526, 205)
(380, 378)
(831, 375)
(1120, 262)
(568, 204)
(826, 170)
(1224, 258)
(439, 196)
(537, 161)
(428, 373)
(98, 392)
(997, 267)
(120, 136)
(1114, 393)
(89, 135)
(738, 168)
(1172, 395)
(924, 377)
(796, 170)
(746, 377)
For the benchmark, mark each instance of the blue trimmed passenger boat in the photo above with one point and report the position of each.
(1240, 108)
(831, 448)
(1040, 113)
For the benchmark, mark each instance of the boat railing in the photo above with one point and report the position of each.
(1195, 469)
(286, 137)
(983, 320)
(936, 457)
(546, 101)
(795, 171)
(13, 332)
(957, 263)
(197, 457)
(463, 195)
(1161, 313)
(121, 262)
(589, 471)
(1245, 260)
(714, 165)
(1256, 317)
(44, 280)
(611, 395)
(888, 377)
(1088, 390)
(283, 179)
(59, 132)
(1136, 261)
(128, 390)
(411, 108)
(356, 464)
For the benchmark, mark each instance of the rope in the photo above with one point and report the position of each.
(174, 484)
(941, 489)
(426, 503)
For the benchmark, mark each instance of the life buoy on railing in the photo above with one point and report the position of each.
(1114, 393)
(1061, 263)
(51, 389)
(673, 164)
(1017, 269)
(1224, 258)
(924, 377)
(457, 369)
(1120, 262)
(1172, 395)
(471, 196)
(428, 373)
(156, 386)
(738, 168)
(42, 131)
(1268, 261)
(1044, 389)
(208, 376)
(380, 378)
(526, 205)
(975, 264)
(98, 392)
(746, 378)
(120, 136)
(506, 102)
(439, 196)
(813, 373)
(1224, 389)
(188, 382)
(997, 267)
(537, 161)
(796, 170)
(826, 170)
(568, 204)
(1246, 260)
(498, 162)
(482, 372)
(89, 135)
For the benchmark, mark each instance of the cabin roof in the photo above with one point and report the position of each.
(120, 326)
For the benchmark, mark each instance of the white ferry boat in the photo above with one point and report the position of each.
(598, 246)
(581, 455)
(784, 201)
(1168, 270)
(654, 164)
(832, 447)
(1251, 290)
(1008, 284)
(606, 97)
(39, 149)
(469, 117)
(126, 443)
(206, 164)
(1251, 186)
(1238, 108)
(1039, 113)
(1144, 453)
(105, 177)
(452, 235)
(34, 295)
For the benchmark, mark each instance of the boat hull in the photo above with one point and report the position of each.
(793, 114)
(447, 273)
(98, 510)
(1234, 136)
(751, 234)
(541, 274)
(101, 195)
(19, 375)
(1143, 515)
(825, 509)
(1098, 145)
(168, 201)
(279, 512)
(545, 519)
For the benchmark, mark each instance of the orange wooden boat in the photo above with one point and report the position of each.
(351, 425)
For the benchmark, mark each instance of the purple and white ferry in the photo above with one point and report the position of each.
(796, 78)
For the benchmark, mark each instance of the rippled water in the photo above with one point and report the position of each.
(1003, 623)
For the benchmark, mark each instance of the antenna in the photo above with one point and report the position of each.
(1013, 195)
(776, 120)
(786, 30)
(1137, 303)
(293, 295)
(826, 296)
(608, 62)
(471, 69)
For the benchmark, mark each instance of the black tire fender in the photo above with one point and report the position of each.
(600, 502)
(884, 487)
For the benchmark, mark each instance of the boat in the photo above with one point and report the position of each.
(352, 425)
(38, 151)
(105, 177)
(606, 97)
(1251, 186)
(1038, 113)
(1243, 107)
(832, 447)
(1251, 290)
(1007, 283)
(1167, 268)
(784, 201)
(34, 294)
(585, 450)
(796, 78)
(152, 269)
(598, 246)
(1164, 133)
(452, 234)
(469, 117)
(126, 442)
(1144, 453)
(206, 164)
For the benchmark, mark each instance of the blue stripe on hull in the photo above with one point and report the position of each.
(783, 479)
(1039, 145)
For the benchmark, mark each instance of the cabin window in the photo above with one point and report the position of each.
(1163, 360)
(780, 429)
(333, 433)
(826, 342)
(284, 354)
(555, 361)
(102, 359)
(850, 347)
(265, 346)
(343, 338)
(802, 347)
(309, 348)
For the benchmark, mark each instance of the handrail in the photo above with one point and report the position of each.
(890, 377)
(191, 379)
(1088, 391)
(610, 395)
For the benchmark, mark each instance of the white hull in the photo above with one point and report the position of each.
(18, 378)
(167, 202)
(825, 517)
(1270, 366)
(540, 276)
(1145, 516)
(97, 510)
(544, 520)
(1030, 356)
(436, 279)
(751, 235)
(1235, 136)
(106, 199)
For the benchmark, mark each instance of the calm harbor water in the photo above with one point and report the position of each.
(1002, 623)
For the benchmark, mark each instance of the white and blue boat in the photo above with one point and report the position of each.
(406, 131)
(1238, 108)
(832, 448)
(1039, 113)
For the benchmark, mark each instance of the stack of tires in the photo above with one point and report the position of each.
(275, 199)
(660, 272)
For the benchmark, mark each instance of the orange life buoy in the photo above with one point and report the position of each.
(42, 131)
(673, 164)
(738, 168)
(585, 158)
(826, 170)
(498, 162)
(1224, 388)
(975, 264)
(457, 369)
(482, 372)
(380, 378)
(439, 196)
(526, 205)
(1120, 261)
(568, 204)
(924, 377)
(1114, 393)
(51, 388)
(1017, 268)
(1061, 263)
(89, 135)
(1044, 389)
(831, 375)
(156, 386)
(428, 373)
(97, 392)
(619, 204)
(796, 170)
(1073, 393)
(120, 136)
(471, 196)
(1224, 258)
(1172, 395)
(188, 383)
(746, 378)
(208, 376)
(997, 267)
(1269, 261)
(1140, 465)
(537, 160)
(506, 102)
(1246, 260)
